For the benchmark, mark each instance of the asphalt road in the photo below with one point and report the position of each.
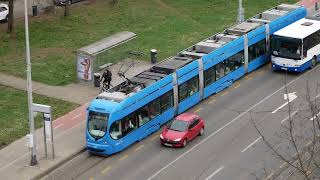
(230, 149)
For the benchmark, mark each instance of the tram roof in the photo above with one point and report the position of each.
(300, 29)
(203, 48)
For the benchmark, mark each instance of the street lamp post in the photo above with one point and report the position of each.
(240, 12)
(29, 87)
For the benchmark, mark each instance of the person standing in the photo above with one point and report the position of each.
(107, 77)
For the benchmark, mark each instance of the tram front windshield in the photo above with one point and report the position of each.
(97, 124)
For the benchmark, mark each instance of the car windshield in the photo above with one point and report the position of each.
(97, 124)
(178, 125)
(286, 47)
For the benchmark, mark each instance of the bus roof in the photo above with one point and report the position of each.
(300, 29)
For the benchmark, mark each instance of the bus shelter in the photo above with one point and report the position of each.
(86, 57)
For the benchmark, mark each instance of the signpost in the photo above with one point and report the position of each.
(47, 127)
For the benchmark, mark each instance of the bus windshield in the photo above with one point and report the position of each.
(286, 47)
(97, 124)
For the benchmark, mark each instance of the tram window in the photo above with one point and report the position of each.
(229, 66)
(220, 70)
(128, 124)
(143, 115)
(209, 76)
(238, 59)
(193, 86)
(115, 130)
(154, 108)
(188, 88)
(166, 101)
(183, 91)
(257, 50)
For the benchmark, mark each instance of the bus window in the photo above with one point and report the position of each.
(143, 115)
(154, 107)
(115, 130)
(286, 47)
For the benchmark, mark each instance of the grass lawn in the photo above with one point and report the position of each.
(167, 25)
(14, 121)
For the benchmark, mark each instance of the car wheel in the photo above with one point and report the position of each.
(201, 131)
(184, 143)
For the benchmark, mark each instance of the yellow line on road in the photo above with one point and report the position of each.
(236, 86)
(225, 93)
(283, 164)
(249, 78)
(138, 148)
(261, 72)
(270, 175)
(212, 101)
(106, 170)
(154, 137)
(124, 157)
(197, 110)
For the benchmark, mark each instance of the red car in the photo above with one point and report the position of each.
(183, 128)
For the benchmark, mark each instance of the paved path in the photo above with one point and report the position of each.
(69, 130)
(76, 93)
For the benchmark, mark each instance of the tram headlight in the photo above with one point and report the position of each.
(161, 137)
(177, 139)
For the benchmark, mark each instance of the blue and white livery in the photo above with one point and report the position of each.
(297, 46)
(134, 109)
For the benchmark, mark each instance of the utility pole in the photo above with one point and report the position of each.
(240, 12)
(29, 88)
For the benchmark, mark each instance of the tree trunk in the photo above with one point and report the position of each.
(10, 17)
(67, 8)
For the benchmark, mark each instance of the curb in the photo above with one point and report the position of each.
(63, 161)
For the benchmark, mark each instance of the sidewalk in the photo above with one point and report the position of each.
(69, 130)
(76, 93)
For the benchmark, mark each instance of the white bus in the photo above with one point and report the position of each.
(297, 46)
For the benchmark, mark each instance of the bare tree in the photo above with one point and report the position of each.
(67, 8)
(10, 17)
(299, 134)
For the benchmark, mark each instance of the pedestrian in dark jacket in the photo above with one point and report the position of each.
(107, 77)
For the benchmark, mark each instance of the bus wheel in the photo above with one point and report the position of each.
(314, 61)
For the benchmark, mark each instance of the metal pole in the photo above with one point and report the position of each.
(240, 12)
(29, 87)
(44, 136)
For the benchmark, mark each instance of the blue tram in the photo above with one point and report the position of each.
(134, 109)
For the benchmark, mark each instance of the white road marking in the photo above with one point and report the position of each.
(292, 114)
(255, 141)
(75, 117)
(230, 122)
(214, 173)
(314, 117)
(290, 96)
(60, 125)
